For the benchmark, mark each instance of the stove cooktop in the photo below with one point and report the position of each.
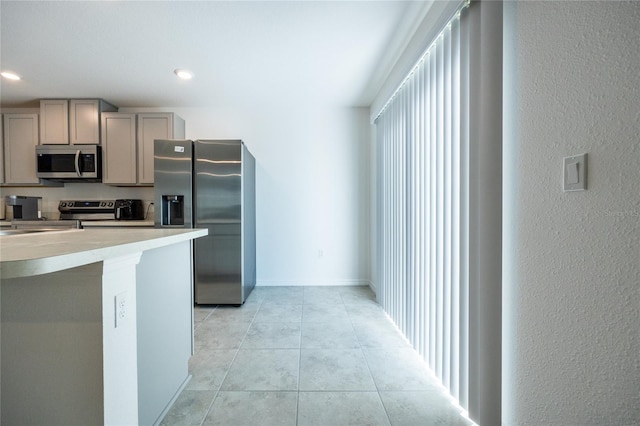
(87, 209)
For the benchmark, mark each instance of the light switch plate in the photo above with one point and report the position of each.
(575, 173)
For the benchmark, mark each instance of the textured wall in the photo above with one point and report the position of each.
(571, 319)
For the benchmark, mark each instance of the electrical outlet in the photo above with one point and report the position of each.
(121, 308)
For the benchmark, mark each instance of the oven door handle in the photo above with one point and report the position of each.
(77, 163)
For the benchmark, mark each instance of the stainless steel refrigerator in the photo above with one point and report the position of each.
(211, 184)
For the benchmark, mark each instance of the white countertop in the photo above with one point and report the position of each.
(45, 252)
(117, 223)
(102, 223)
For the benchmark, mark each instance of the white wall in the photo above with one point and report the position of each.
(312, 187)
(571, 285)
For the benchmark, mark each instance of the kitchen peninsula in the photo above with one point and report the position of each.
(96, 324)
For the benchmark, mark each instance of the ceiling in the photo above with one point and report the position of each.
(240, 52)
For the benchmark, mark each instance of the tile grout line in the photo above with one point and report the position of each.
(215, 395)
(230, 364)
(300, 359)
(206, 413)
(366, 360)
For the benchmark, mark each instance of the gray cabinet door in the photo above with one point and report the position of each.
(54, 121)
(84, 120)
(20, 140)
(152, 126)
(119, 153)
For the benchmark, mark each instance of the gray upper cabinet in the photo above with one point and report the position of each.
(84, 120)
(153, 126)
(20, 140)
(75, 121)
(54, 121)
(127, 145)
(119, 149)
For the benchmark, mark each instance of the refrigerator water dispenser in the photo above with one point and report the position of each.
(173, 210)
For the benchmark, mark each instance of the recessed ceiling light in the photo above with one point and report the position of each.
(10, 75)
(184, 74)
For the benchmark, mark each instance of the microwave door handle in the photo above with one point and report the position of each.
(77, 163)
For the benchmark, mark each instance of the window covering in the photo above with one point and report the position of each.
(422, 204)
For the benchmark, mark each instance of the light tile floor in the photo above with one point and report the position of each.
(323, 356)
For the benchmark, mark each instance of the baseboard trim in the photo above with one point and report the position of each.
(173, 400)
(308, 283)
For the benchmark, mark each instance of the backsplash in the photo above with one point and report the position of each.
(79, 191)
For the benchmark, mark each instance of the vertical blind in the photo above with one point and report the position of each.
(422, 142)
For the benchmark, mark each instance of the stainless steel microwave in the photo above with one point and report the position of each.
(69, 163)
